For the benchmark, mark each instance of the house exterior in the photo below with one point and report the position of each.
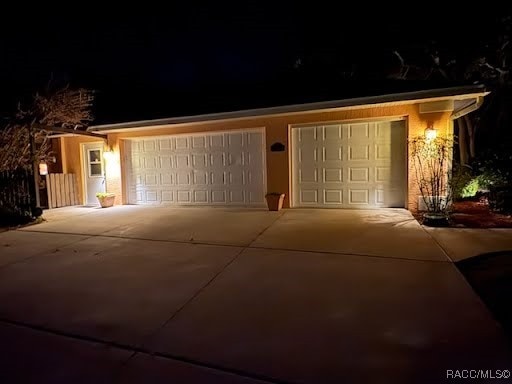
(350, 153)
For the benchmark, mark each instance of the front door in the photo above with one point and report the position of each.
(93, 171)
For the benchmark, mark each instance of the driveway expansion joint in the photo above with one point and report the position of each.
(438, 244)
(137, 350)
(192, 298)
(53, 251)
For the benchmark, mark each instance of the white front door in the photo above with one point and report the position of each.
(93, 171)
(349, 165)
(221, 168)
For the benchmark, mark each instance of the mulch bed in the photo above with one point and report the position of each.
(476, 214)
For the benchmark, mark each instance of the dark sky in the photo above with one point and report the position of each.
(149, 63)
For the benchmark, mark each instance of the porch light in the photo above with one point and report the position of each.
(43, 169)
(108, 155)
(430, 133)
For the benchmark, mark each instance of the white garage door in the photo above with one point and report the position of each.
(204, 169)
(356, 165)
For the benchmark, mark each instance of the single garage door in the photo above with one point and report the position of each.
(356, 165)
(224, 168)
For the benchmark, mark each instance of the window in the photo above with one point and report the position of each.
(95, 168)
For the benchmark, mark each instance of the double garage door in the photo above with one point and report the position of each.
(359, 165)
(353, 165)
(201, 169)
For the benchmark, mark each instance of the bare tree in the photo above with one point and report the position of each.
(24, 139)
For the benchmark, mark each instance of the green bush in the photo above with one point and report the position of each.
(461, 178)
(471, 188)
(494, 167)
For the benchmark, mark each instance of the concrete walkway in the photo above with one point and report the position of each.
(147, 294)
(463, 243)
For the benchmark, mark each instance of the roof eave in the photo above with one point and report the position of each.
(361, 102)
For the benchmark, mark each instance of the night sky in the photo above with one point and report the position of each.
(193, 59)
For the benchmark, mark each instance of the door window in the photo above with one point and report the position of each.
(94, 161)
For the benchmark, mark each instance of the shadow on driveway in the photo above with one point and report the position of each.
(490, 275)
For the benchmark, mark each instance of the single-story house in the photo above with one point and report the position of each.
(350, 153)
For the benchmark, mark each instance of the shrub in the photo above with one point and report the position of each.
(102, 195)
(494, 167)
(461, 178)
(431, 159)
(471, 188)
(10, 216)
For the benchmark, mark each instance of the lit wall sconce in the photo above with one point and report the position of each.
(108, 154)
(430, 133)
(43, 169)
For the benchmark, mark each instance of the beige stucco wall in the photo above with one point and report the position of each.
(276, 130)
(71, 152)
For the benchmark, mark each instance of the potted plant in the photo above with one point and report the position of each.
(106, 199)
(275, 200)
(431, 158)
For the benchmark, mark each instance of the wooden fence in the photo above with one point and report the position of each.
(61, 189)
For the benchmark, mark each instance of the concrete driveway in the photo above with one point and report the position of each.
(138, 294)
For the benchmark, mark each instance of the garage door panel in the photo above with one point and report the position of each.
(182, 161)
(138, 180)
(167, 196)
(379, 197)
(309, 196)
(382, 174)
(359, 196)
(164, 144)
(236, 141)
(218, 159)
(236, 158)
(358, 131)
(218, 197)
(331, 153)
(382, 152)
(199, 142)
(236, 196)
(182, 142)
(166, 179)
(359, 175)
(332, 175)
(183, 196)
(255, 196)
(362, 165)
(183, 178)
(358, 152)
(166, 162)
(217, 141)
(333, 196)
(200, 160)
(308, 135)
(152, 196)
(216, 168)
(200, 177)
(255, 140)
(332, 132)
(200, 196)
(308, 175)
(218, 178)
(308, 155)
(150, 180)
(149, 145)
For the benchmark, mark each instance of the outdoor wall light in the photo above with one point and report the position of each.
(430, 133)
(108, 154)
(43, 169)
